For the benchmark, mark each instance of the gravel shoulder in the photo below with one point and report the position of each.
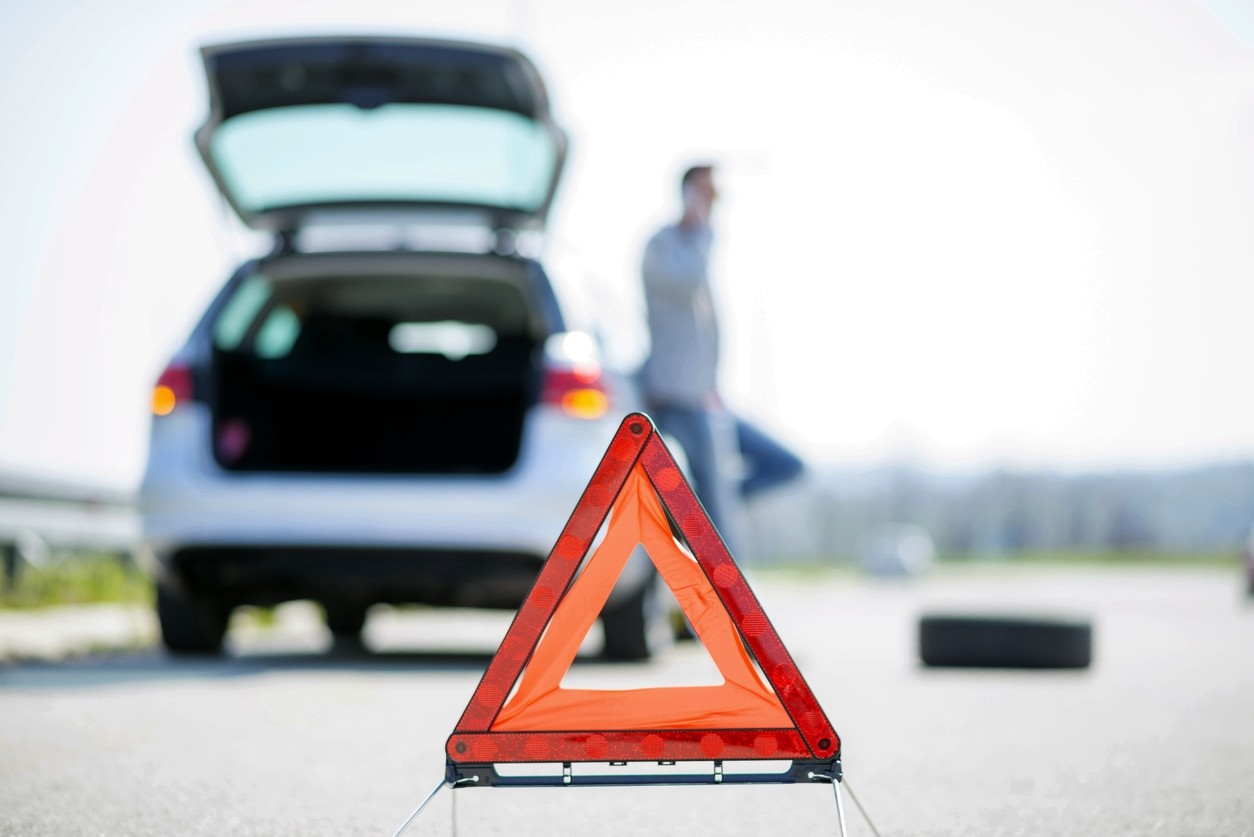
(61, 633)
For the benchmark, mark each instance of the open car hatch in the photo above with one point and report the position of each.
(303, 126)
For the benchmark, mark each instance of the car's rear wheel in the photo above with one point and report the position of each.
(191, 623)
(639, 626)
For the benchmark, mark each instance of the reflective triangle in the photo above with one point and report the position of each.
(752, 715)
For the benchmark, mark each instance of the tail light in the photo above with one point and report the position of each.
(174, 387)
(573, 380)
(580, 392)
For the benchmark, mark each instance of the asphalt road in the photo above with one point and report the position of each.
(287, 735)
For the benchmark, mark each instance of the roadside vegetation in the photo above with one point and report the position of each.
(1105, 558)
(1132, 559)
(82, 578)
(74, 578)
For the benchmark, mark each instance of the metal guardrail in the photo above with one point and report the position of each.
(40, 519)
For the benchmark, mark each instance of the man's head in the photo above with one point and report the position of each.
(699, 194)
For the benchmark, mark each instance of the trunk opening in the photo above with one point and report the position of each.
(347, 372)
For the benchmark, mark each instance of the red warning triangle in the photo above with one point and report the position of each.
(520, 713)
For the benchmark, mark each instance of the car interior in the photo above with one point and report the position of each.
(395, 373)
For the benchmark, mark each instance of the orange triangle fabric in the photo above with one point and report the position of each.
(540, 703)
(520, 713)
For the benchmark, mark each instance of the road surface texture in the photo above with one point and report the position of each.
(289, 735)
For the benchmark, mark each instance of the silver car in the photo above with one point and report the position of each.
(395, 404)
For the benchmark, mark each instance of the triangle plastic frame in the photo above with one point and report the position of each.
(810, 743)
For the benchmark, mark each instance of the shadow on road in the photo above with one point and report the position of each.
(154, 664)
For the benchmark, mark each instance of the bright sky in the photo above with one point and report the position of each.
(966, 233)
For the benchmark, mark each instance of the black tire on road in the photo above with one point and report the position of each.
(638, 627)
(191, 623)
(1005, 641)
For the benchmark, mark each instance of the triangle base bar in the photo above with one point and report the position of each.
(466, 748)
(619, 774)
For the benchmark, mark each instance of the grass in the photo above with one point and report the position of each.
(1105, 558)
(77, 578)
(1059, 558)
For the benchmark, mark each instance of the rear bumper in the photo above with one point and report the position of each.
(439, 516)
(264, 575)
(447, 544)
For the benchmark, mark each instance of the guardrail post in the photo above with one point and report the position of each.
(10, 559)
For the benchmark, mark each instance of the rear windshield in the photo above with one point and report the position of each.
(338, 153)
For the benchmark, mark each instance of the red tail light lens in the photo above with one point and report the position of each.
(174, 387)
(579, 391)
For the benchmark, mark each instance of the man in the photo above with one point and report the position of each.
(680, 374)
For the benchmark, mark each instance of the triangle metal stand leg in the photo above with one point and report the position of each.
(834, 777)
(840, 812)
(418, 810)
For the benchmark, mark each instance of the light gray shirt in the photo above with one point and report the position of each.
(683, 364)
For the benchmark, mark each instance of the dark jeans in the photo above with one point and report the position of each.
(710, 440)
(708, 445)
(767, 463)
